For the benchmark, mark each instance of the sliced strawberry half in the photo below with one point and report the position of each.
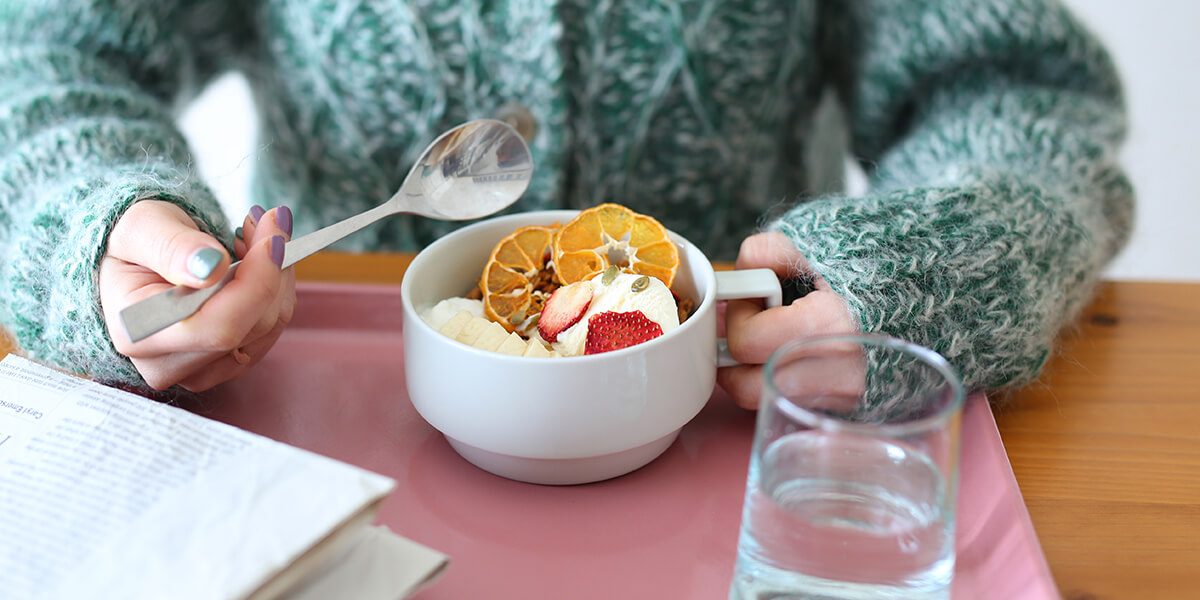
(610, 331)
(565, 307)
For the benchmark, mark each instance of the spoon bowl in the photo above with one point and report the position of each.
(471, 171)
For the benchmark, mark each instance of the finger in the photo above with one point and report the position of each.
(122, 284)
(754, 334)
(162, 372)
(227, 367)
(287, 309)
(248, 229)
(197, 368)
(721, 308)
(160, 236)
(828, 383)
(743, 384)
(250, 222)
(283, 312)
(286, 299)
(772, 250)
(828, 379)
(267, 320)
(277, 221)
(283, 219)
(226, 319)
(229, 316)
(202, 331)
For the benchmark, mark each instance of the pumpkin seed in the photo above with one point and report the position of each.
(609, 275)
(640, 284)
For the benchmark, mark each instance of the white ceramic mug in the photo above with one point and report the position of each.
(562, 420)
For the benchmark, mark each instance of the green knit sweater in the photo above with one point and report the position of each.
(989, 130)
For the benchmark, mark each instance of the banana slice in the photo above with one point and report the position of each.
(487, 335)
(493, 335)
(454, 326)
(514, 345)
(472, 330)
(536, 350)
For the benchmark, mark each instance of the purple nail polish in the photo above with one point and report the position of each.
(257, 212)
(283, 217)
(277, 250)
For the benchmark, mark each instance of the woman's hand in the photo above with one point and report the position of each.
(754, 333)
(156, 246)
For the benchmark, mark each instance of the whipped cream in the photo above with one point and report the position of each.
(656, 302)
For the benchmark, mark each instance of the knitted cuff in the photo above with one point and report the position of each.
(55, 313)
(981, 273)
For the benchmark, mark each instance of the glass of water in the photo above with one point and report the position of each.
(853, 474)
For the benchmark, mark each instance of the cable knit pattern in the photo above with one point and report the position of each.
(989, 129)
(85, 131)
(996, 196)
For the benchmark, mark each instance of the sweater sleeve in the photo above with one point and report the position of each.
(86, 129)
(990, 130)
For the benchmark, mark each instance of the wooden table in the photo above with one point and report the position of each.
(1105, 446)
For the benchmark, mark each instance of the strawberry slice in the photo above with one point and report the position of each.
(565, 307)
(610, 331)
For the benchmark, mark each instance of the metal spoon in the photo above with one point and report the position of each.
(471, 171)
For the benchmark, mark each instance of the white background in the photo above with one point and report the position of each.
(1156, 44)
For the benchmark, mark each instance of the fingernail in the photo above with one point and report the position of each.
(238, 233)
(277, 250)
(203, 261)
(257, 212)
(283, 217)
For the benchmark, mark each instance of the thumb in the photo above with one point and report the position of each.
(161, 237)
(771, 250)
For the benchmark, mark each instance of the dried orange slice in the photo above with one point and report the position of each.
(507, 280)
(611, 234)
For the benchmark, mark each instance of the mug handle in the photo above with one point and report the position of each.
(741, 285)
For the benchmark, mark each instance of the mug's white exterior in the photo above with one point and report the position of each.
(567, 408)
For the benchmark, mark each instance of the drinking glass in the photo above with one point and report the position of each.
(853, 473)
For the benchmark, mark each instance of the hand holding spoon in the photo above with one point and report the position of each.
(468, 172)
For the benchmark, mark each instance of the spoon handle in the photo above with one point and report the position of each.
(309, 244)
(153, 314)
(156, 313)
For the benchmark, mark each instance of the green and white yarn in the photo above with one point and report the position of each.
(684, 111)
(989, 128)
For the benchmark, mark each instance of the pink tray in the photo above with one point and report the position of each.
(335, 385)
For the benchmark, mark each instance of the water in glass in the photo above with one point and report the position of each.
(844, 516)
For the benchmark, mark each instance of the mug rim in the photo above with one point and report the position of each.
(826, 422)
(706, 302)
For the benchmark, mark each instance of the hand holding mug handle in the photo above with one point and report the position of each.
(812, 309)
(741, 285)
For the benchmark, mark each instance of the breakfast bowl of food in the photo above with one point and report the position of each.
(565, 347)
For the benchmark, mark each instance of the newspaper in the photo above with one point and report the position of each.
(105, 494)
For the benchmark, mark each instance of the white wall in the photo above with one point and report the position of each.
(220, 126)
(1156, 44)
